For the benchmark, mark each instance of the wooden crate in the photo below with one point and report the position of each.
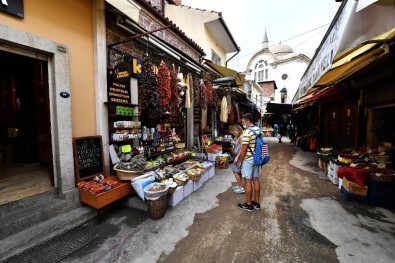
(106, 198)
(354, 188)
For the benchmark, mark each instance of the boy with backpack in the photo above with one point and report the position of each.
(249, 166)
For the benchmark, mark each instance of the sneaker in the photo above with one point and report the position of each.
(256, 205)
(245, 207)
(239, 190)
(235, 187)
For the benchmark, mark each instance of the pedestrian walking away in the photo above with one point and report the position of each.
(237, 131)
(249, 170)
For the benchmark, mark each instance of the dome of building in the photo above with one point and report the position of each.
(281, 49)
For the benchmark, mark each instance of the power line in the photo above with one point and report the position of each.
(249, 54)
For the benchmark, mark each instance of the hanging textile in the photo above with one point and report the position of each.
(232, 117)
(204, 119)
(224, 110)
(238, 118)
(187, 94)
(164, 88)
(191, 88)
(229, 101)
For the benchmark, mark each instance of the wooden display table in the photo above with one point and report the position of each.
(108, 197)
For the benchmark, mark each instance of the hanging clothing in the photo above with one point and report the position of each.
(224, 110)
(203, 121)
(229, 101)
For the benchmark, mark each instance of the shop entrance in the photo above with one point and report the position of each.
(26, 167)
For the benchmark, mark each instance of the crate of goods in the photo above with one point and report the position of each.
(353, 197)
(354, 188)
(353, 174)
(99, 193)
(223, 161)
(382, 175)
(333, 176)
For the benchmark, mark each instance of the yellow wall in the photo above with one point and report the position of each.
(68, 22)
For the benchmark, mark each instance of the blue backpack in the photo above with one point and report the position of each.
(261, 153)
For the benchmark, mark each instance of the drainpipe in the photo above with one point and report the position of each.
(226, 64)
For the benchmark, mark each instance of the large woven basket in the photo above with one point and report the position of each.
(157, 208)
(125, 174)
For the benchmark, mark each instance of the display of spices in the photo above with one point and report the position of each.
(97, 187)
(210, 94)
(164, 87)
(174, 87)
(149, 94)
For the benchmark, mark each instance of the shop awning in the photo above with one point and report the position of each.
(226, 72)
(303, 106)
(278, 108)
(354, 40)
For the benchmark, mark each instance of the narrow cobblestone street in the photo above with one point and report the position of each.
(304, 218)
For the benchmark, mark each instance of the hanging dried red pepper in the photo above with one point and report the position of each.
(210, 95)
(164, 88)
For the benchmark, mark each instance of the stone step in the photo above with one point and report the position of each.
(39, 233)
(20, 215)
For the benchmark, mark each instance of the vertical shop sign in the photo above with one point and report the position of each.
(118, 86)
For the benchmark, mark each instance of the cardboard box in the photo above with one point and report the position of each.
(212, 156)
(211, 172)
(176, 197)
(197, 184)
(354, 188)
(188, 188)
(205, 176)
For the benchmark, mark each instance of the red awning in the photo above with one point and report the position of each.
(326, 92)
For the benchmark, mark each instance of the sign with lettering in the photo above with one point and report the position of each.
(12, 7)
(322, 60)
(88, 157)
(118, 90)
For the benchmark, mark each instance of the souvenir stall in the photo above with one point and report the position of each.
(150, 94)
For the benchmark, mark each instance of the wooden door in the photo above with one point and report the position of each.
(349, 118)
(43, 123)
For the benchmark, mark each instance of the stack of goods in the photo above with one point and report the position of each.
(131, 169)
(382, 187)
(325, 155)
(354, 183)
(98, 185)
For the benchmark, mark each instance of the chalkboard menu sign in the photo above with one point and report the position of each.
(88, 157)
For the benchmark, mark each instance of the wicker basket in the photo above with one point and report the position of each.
(180, 182)
(157, 208)
(195, 177)
(125, 174)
